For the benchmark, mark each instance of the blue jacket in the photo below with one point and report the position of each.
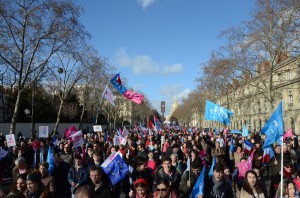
(79, 177)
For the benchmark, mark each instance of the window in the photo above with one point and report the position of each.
(266, 104)
(290, 99)
(289, 75)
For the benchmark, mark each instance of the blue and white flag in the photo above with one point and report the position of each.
(211, 170)
(3, 153)
(199, 185)
(274, 128)
(55, 140)
(50, 159)
(245, 131)
(115, 168)
(217, 113)
(108, 95)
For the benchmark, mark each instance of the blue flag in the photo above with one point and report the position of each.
(199, 185)
(274, 128)
(55, 140)
(216, 131)
(117, 83)
(115, 168)
(50, 160)
(217, 113)
(231, 148)
(211, 170)
(245, 131)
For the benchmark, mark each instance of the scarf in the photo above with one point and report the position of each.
(218, 184)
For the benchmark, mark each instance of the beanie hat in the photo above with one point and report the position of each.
(35, 177)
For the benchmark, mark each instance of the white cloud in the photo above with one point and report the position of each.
(143, 64)
(145, 3)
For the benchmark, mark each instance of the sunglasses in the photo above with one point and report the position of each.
(161, 189)
(288, 167)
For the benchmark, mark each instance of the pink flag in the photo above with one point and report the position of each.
(133, 96)
(225, 131)
(70, 131)
(244, 166)
(287, 134)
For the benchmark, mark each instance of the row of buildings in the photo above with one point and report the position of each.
(249, 100)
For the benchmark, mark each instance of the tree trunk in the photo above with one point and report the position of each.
(81, 117)
(58, 115)
(14, 119)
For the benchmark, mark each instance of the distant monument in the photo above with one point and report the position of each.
(174, 107)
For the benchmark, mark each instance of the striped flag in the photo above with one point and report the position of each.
(247, 146)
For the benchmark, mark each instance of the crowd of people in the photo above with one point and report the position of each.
(166, 164)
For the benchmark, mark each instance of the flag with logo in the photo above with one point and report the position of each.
(77, 139)
(245, 131)
(70, 131)
(199, 185)
(131, 95)
(115, 168)
(50, 159)
(118, 140)
(274, 127)
(244, 166)
(217, 113)
(109, 96)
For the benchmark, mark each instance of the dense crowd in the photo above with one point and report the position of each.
(166, 164)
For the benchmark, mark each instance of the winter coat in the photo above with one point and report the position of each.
(225, 189)
(184, 189)
(79, 177)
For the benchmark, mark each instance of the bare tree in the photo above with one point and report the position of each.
(268, 39)
(93, 81)
(65, 72)
(31, 32)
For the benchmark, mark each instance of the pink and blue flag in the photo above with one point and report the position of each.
(131, 95)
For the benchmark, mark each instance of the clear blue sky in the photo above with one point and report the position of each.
(158, 45)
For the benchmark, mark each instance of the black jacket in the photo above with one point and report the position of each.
(225, 190)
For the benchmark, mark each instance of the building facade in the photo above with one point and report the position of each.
(250, 102)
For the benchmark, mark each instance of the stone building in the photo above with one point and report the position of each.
(248, 99)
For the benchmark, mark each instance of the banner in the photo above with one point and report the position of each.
(77, 139)
(97, 128)
(10, 140)
(217, 113)
(43, 131)
(120, 140)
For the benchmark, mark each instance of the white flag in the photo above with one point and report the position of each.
(109, 95)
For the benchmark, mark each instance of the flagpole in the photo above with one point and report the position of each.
(281, 169)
